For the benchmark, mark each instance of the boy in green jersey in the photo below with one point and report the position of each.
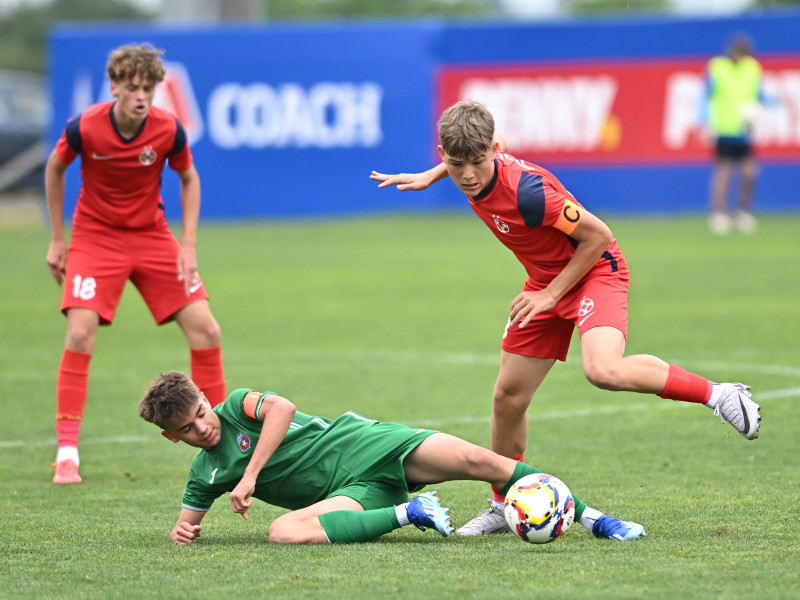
(345, 480)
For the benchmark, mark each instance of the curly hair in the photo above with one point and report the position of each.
(144, 60)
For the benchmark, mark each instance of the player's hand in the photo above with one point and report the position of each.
(404, 181)
(529, 304)
(187, 268)
(185, 533)
(57, 260)
(240, 496)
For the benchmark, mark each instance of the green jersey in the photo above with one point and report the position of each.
(318, 458)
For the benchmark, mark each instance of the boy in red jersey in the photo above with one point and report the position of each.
(577, 277)
(120, 233)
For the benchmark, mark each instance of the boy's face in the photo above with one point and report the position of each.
(471, 175)
(200, 427)
(134, 98)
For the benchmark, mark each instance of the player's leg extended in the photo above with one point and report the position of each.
(605, 366)
(342, 520)
(443, 457)
(204, 336)
(72, 389)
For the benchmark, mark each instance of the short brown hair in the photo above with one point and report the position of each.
(169, 397)
(466, 129)
(144, 60)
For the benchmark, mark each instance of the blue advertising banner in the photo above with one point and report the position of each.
(282, 122)
(288, 121)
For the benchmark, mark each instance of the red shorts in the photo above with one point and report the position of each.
(101, 260)
(600, 300)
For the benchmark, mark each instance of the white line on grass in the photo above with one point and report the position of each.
(125, 439)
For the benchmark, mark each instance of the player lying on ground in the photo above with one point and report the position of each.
(345, 480)
(577, 278)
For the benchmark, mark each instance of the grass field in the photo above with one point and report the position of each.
(399, 318)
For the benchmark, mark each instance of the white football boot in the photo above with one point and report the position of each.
(491, 520)
(736, 407)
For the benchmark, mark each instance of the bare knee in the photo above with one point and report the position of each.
(204, 333)
(477, 459)
(280, 532)
(606, 376)
(509, 403)
(81, 338)
(212, 333)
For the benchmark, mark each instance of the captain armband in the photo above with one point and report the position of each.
(569, 218)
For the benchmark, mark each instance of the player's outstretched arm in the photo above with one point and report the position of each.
(187, 529)
(411, 181)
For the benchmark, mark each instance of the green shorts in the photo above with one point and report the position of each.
(372, 473)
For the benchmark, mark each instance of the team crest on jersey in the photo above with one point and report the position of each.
(502, 226)
(586, 306)
(585, 310)
(148, 156)
(244, 441)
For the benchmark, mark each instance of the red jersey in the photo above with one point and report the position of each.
(122, 177)
(528, 209)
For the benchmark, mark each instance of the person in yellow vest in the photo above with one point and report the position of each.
(733, 96)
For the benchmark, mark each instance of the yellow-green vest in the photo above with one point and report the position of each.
(734, 94)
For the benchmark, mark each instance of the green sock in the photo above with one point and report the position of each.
(351, 526)
(522, 469)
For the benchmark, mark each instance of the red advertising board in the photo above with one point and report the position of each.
(641, 112)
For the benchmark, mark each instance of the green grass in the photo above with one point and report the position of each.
(399, 318)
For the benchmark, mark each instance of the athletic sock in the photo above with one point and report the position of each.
(68, 453)
(685, 386)
(401, 512)
(716, 392)
(499, 495)
(71, 390)
(522, 469)
(208, 374)
(352, 526)
(588, 517)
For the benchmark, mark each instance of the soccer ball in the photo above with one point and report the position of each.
(539, 508)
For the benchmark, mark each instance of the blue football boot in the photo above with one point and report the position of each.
(612, 528)
(426, 511)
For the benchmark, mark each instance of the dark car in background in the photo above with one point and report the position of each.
(24, 117)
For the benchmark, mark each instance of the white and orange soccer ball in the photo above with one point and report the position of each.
(539, 508)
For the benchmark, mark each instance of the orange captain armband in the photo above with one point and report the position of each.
(250, 404)
(569, 218)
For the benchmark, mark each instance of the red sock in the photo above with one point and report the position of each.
(207, 373)
(496, 495)
(71, 390)
(685, 386)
